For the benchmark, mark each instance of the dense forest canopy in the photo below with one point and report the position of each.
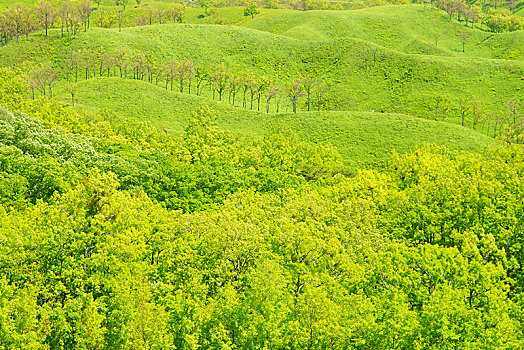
(259, 186)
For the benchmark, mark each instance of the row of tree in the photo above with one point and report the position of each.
(498, 20)
(71, 16)
(183, 76)
(21, 20)
(256, 92)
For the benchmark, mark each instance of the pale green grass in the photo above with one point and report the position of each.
(363, 139)
(362, 76)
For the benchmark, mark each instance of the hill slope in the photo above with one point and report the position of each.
(362, 76)
(363, 139)
(406, 28)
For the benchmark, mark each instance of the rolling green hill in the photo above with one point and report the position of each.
(363, 139)
(362, 76)
(365, 56)
(407, 28)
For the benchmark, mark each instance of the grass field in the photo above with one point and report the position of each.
(363, 139)
(407, 28)
(363, 76)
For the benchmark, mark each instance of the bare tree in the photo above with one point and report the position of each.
(120, 60)
(308, 83)
(233, 87)
(270, 94)
(23, 18)
(43, 78)
(464, 36)
(190, 73)
(71, 64)
(45, 13)
(320, 93)
(87, 59)
(51, 76)
(219, 78)
(464, 104)
(512, 106)
(84, 10)
(120, 18)
(295, 90)
(246, 79)
(477, 111)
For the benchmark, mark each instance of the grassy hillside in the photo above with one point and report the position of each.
(362, 76)
(363, 139)
(407, 28)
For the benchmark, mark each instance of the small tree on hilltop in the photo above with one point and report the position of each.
(251, 10)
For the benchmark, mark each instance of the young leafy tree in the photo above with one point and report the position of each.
(251, 11)
(177, 12)
(71, 88)
(464, 36)
(160, 13)
(122, 3)
(150, 14)
(437, 35)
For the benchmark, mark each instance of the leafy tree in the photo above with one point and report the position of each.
(177, 12)
(71, 88)
(251, 11)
